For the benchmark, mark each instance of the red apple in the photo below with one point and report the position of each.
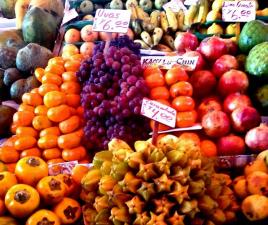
(213, 48)
(235, 100)
(207, 105)
(231, 145)
(245, 118)
(203, 82)
(224, 64)
(233, 81)
(185, 41)
(216, 124)
(200, 62)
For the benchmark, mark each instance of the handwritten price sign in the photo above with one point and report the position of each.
(158, 112)
(238, 11)
(111, 20)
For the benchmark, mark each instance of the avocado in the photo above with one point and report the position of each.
(17, 90)
(253, 33)
(6, 118)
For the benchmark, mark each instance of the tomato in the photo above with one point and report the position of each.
(155, 80)
(33, 99)
(9, 154)
(181, 88)
(55, 69)
(47, 87)
(69, 125)
(183, 103)
(26, 131)
(52, 153)
(159, 93)
(25, 107)
(39, 73)
(68, 210)
(48, 141)
(7, 180)
(175, 74)
(56, 61)
(72, 65)
(30, 170)
(50, 131)
(41, 110)
(70, 87)
(30, 152)
(59, 113)
(73, 154)
(54, 98)
(23, 118)
(41, 122)
(186, 119)
(70, 140)
(43, 217)
(25, 142)
(163, 101)
(51, 189)
(161, 126)
(69, 76)
(21, 200)
(51, 78)
(151, 70)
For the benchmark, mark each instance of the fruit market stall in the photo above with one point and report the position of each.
(149, 112)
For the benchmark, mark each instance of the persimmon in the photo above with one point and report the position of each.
(186, 119)
(70, 87)
(9, 154)
(73, 154)
(69, 125)
(78, 172)
(47, 87)
(10, 142)
(68, 210)
(26, 131)
(190, 135)
(55, 69)
(48, 141)
(54, 98)
(32, 99)
(13, 128)
(25, 142)
(7, 180)
(34, 91)
(39, 73)
(72, 36)
(21, 200)
(2, 207)
(23, 118)
(51, 189)
(50, 131)
(68, 180)
(52, 153)
(208, 148)
(30, 152)
(59, 113)
(72, 65)
(181, 88)
(58, 60)
(151, 70)
(29, 170)
(183, 103)
(41, 110)
(42, 217)
(3, 167)
(25, 107)
(68, 141)
(69, 76)
(155, 80)
(41, 122)
(11, 167)
(175, 74)
(159, 93)
(51, 78)
(73, 100)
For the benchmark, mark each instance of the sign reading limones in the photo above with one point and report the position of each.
(158, 112)
(238, 11)
(167, 62)
(111, 20)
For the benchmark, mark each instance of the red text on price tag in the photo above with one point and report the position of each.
(158, 112)
(111, 20)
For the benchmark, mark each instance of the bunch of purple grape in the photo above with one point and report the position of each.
(113, 89)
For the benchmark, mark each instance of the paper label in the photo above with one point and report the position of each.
(158, 112)
(111, 20)
(238, 11)
(167, 62)
(175, 6)
(191, 2)
(61, 168)
(69, 15)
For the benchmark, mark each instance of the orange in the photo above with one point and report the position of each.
(208, 148)
(183, 103)
(71, 36)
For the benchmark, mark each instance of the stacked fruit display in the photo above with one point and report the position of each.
(167, 184)
(113, 88)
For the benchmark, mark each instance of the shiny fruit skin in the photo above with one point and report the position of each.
(235, 100)
(43, 216)
(186, 119)
(183, 103)
(175, 74)
(7, 180)
(224, 64)
(231, 145)
(181, 88)
(159, 93)
(208, 105)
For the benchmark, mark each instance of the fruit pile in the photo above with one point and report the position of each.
(167, 184)
(113, 88)
(49, 121)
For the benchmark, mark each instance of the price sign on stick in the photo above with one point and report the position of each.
(158, 112)
(111, 20)
(238, 11)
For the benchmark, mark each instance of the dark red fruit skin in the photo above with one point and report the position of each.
(185, 41)
(224, 64)
(235, 100)
(245, 118)
(207, 105)
(200, 65)
(231, 145)
(216, 124)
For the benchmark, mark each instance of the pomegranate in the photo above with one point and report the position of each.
(233, 81)
(257, 138)
(245, 118)
(203, 82)
(207, 105)
(224, 64)
(213, 48)
(231, 145)
(185, 41)
(200, 62)
(231, 46)
(216, 124)
(235, 100)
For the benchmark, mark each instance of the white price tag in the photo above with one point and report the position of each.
(238, 11)
(167, 62)
(158, 112)
(191, 2)
(111, 20)
(175, 6)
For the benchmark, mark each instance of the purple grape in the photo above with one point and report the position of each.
(132, 80)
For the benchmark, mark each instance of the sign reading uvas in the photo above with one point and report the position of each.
(111, 20)
(238, 11)
(158, 112)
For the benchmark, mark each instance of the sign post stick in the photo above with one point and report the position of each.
(155, 132)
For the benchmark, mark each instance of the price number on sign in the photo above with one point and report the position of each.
(158, 112)
(111, 20)
(238, 11)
